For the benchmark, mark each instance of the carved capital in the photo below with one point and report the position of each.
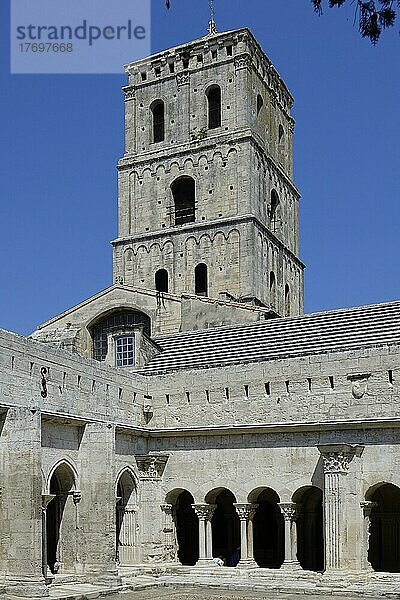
(151, 467)
(245, 511)
(167, 509)
(367, 507)
(336, 459)
(183, 78)
(290, 510)
(204, 511)
(129, 92)
(46, 499)
(77, 497)
(242, 62)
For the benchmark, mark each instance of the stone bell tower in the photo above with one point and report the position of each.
(207, 204)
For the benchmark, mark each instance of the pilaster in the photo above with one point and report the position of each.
(21, 523)
(336, 461)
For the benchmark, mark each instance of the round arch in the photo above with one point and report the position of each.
(384, 530)
(310, 528)
(186, 525)
(225, 525)
(268, 528)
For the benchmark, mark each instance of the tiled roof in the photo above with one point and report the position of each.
(337, 330)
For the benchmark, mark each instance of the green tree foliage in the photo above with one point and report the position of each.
(373, 15)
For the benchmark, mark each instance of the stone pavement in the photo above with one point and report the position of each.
(227, 584)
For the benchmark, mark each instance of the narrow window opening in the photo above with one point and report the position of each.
(31, 369)
(273, 210)
(214, 106)
(214, 53)
(199, 58)
(93, 386)
(158, 111)
(184, 194)
(119, 393)
(267, 388)
(287, 300)
(260, 104)
(281, 133)
(171, 67)
(309, 384)
(167, 398)
(12, 362)
(78, 381)
(185, 63)
(200, 280)
(227, 393)
(188, 397)
(143, 76)
(157, 71)
(207, 395)
(246, 391)
(390, 375)
(161, 280)
(229, 50)
(272, 283)
(134, 397)
(287, 385)
(331, 382)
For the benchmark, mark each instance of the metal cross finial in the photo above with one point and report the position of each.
(212, 27)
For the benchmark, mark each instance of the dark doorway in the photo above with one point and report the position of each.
(214, 107)
(201, 280)
(161, 280)
(310, 529)
(384, 541)
(268, 530)
(225, 526)
(184, 194)
(187, 529)
(158, 111)
(60, 521)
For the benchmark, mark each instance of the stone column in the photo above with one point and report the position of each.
(21, 523)
(202, 511)
(290, 513)
(170, 548)
(367, 507)
(246, 513)
(336, 460)
(46, 499)
(210, 515)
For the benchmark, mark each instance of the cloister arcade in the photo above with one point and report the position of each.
(263, 531)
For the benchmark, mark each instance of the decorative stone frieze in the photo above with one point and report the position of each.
(151, 467)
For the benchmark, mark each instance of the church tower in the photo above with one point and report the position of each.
(207, 203)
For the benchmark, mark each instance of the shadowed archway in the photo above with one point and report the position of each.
(310, 529)
(225, 525)
(186, 526)
(268, 529)
(384, 540)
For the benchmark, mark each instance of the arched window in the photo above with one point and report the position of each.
(260, 104)
(184, 193)
(158, 111)
(273, 210)
(121, 324)
(200, 280)
(287, 300)
(214, 106)
(272, 282)
(161, 280)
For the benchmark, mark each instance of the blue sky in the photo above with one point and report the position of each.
(62, 135)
